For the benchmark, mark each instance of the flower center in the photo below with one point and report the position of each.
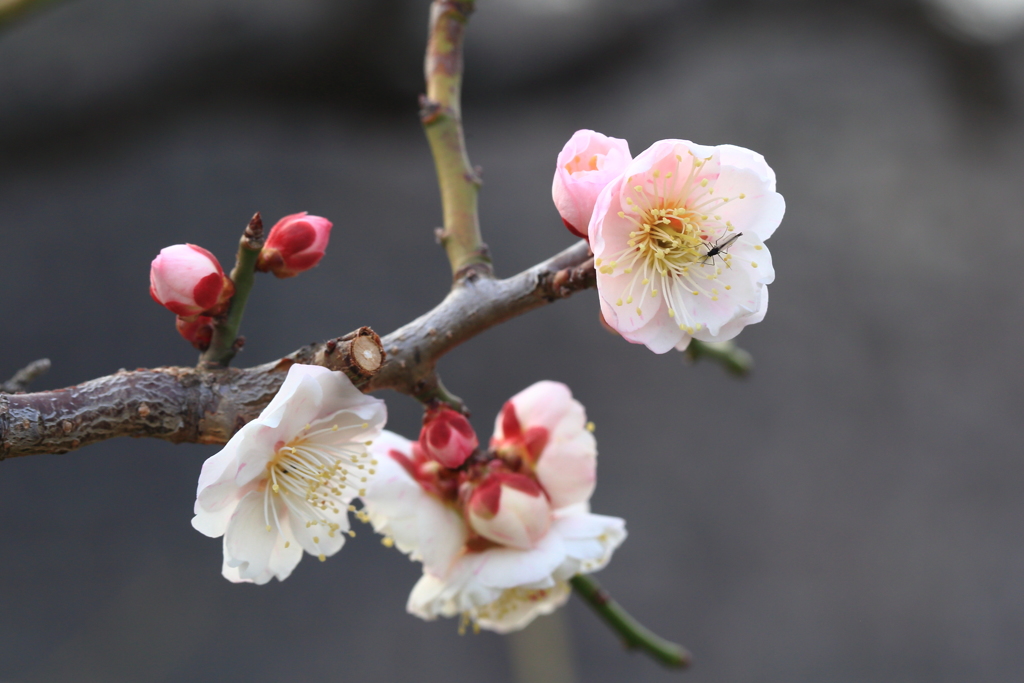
(311, 480)
(579, 164)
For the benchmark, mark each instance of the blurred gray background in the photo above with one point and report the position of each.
(850, 513)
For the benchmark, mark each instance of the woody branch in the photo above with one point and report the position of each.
(202, 405)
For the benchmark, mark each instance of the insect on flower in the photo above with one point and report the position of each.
(719, 247)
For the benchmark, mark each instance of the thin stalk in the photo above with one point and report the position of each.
(441, 115)
(634, 634)
(225, 342)
(734, 359)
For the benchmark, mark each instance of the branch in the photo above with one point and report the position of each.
(634, 634)
(203, 405)
(441, 115)
(28, 374)
(475, 304)
(196, 405)
(225, 342)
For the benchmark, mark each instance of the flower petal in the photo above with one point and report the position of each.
(420, 524)
(248, 543)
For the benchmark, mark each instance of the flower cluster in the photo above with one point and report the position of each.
(677, 234)
(499, 532)
(500, 536)
(190, 282)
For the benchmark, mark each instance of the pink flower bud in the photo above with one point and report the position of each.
(447, 437)
(188, 280)
(510, 509)
(295, 244)
(197, 330)
(587, 163)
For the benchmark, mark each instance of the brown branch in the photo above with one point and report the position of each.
(201, 405)
(196, 405)
(475, 304)
(28, 374)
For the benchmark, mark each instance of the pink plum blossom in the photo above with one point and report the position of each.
(678, 240)
(587, 163)
(447, 437)
(284, 481)
(500, 537)
(295, 244)
(188, 280)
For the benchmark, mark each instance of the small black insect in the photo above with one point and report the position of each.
(718, 247)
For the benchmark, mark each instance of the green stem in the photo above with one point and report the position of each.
(441, 114)
(225, 342)
(633, 633)
(733, 358)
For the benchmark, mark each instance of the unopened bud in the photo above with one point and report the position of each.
(447, 437)
(188, 280)
(197, 330)
(510, 509)
(296, 243)
(587, 163)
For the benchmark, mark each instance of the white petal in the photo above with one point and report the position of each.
(761, 209)
(736, 325)
(741, 157)
(309, 529)
(590, 539)
(248, 543)
(340, 394)
(516, 608)
(420, 524)
(508, 568)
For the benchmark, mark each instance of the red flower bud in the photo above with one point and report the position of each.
(188, 280)
(197, 330)
(295, 244)
(510, 509)
(447, 437)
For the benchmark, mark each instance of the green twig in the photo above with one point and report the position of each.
(734, 359)
(441, 114)
(225, 342)
(634, 634)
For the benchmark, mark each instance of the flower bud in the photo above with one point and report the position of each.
(587, 163)
(510, 509)
(197, 330)
(295, 244)
(188, 281)
(447, 437)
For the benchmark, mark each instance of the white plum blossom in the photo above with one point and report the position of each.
(500, 538)
(678, 240)
(284, 482)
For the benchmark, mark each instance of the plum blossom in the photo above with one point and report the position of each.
(284, 482)
(500, 537)
(295, 244)
(188, 280)
(587, 163)
(678, 240)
